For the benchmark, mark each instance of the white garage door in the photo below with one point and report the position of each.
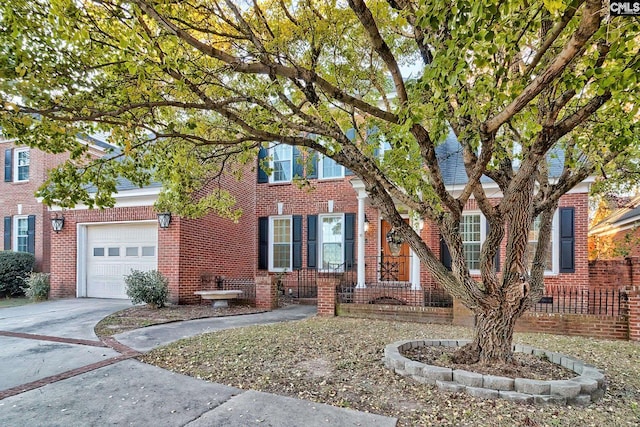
(113, 250)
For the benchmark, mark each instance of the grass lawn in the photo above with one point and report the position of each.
(338, 361)
(14, 302)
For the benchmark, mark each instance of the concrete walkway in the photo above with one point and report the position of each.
(55, 372)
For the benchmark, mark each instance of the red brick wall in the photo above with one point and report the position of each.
(579, 279)
(220, 246)
(64, 244)
(605, 327)
(613, 274)
(310, 201)
(634, 313)
(13, 194)
(400, 313)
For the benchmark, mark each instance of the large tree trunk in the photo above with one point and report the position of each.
(493, 331)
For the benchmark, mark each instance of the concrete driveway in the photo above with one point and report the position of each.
(54, 371)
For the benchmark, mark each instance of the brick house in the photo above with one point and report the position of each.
(297, 233)
(333, 228)
(618, 234)
(26, 226)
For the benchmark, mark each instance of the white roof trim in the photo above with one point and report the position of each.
(125, 199)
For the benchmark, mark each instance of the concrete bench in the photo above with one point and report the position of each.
(219, 298)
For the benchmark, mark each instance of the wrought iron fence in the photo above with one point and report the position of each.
(392, 294)
(602, 302)
(247, 286)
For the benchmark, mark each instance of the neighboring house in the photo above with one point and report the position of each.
(26, 226)
(618, 234)
(290, 231)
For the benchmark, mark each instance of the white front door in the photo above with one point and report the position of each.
(113, 250)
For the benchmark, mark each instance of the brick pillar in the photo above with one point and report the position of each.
(634, 313)
(634, 271)
(266, 293)
(462, 316)
(327, 296)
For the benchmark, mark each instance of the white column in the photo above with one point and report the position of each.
(415, 272)
(361, 241)
(415, 261)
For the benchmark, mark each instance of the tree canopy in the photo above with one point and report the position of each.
(186, 87)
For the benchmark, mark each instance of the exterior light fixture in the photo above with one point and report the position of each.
(164, 219)
(394, 240)
(57, 222)
(367, 224)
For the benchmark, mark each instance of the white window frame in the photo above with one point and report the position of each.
(16, 220)
(272, 162)
(321, 240)
(555, 241)
(272, 219)
(383, 148)
(483, 233)
(17, 166)
(321, 160)
(554, 268)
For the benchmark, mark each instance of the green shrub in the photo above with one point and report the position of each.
(150, 287)
(37, 286)
(14, 266)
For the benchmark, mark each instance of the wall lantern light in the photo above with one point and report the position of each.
(57, 222)
(367, 224)
(164, 219)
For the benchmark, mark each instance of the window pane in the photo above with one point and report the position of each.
(22, 235)
(281, 163)
(23, 244)
(132, 251)
(330, 169)
(281, 256)
(281, 241)
(281, 231)
(472, 255)
(114, 251)
(148, 251)
(98, 251)
(534, 235)
(332, 252)
(22, 165)
(470, 232)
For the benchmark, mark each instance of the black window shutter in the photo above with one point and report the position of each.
(298, 166)
(7, 233)
(567, 240)
(31, 234)
(8, 162)
(262, 175)
(312, 172)
(496, 259)
(312, 241)
(297, 242)
(263, 243)
(349, 240)
(445, 255)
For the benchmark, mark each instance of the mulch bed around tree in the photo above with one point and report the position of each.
(523, 366)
